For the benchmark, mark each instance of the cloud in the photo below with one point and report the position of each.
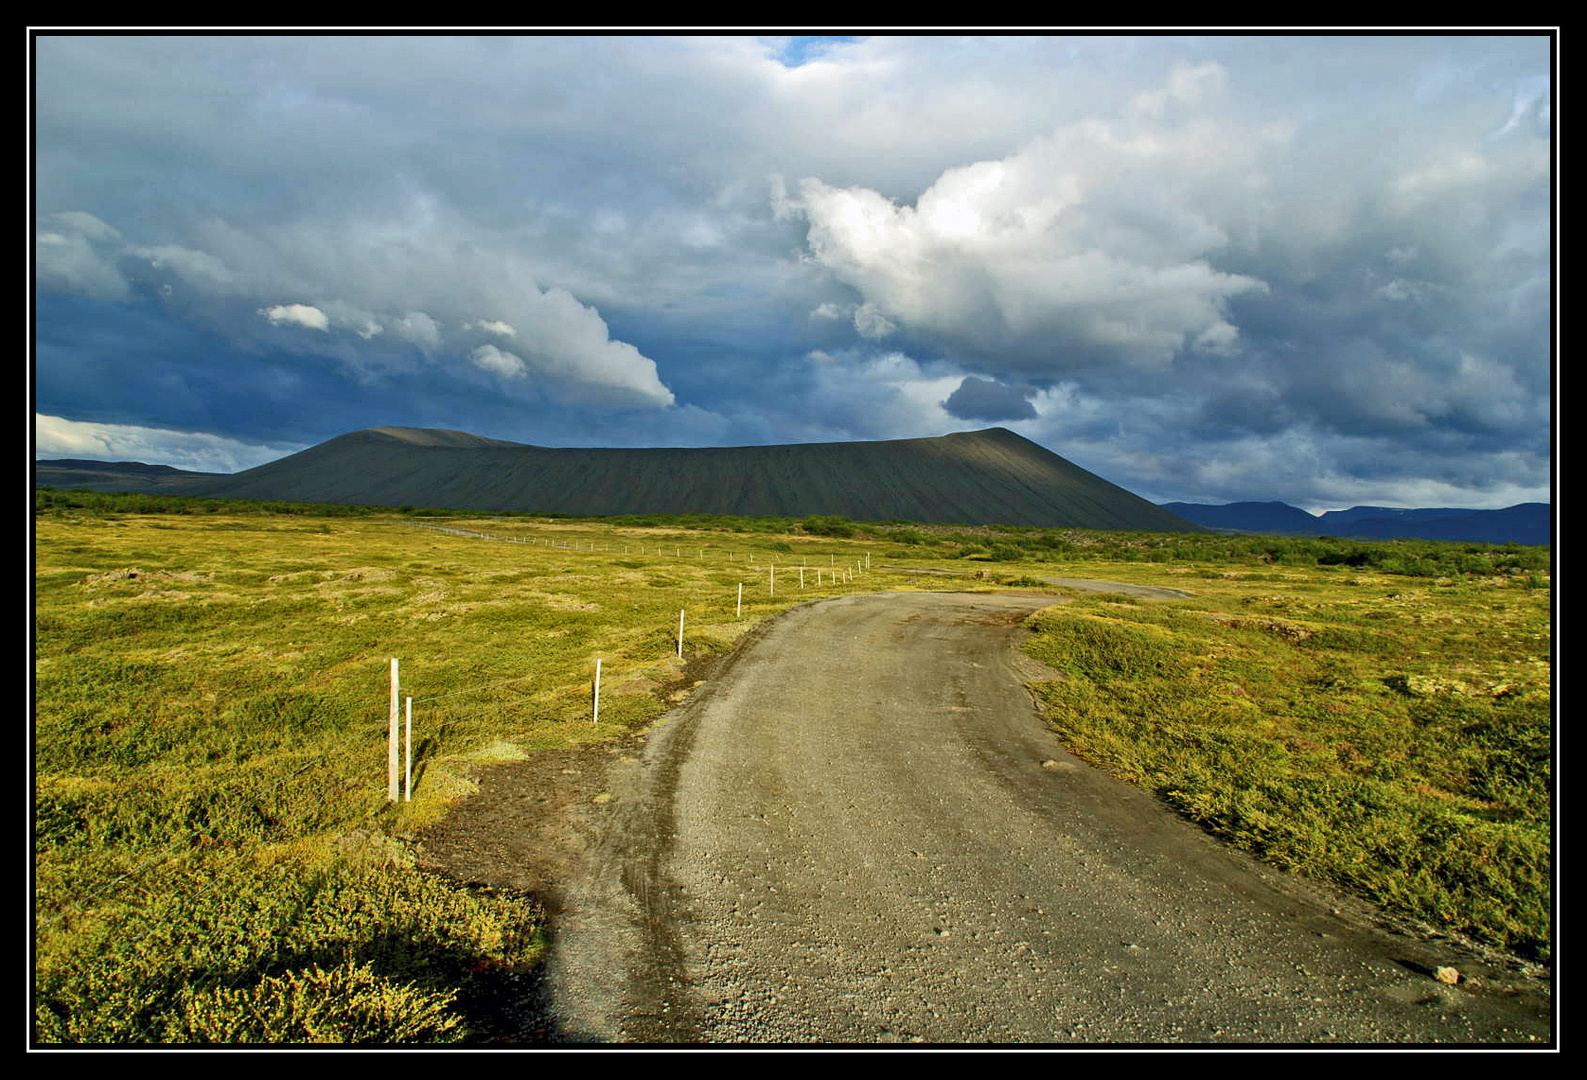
(1095, 239)
(489, 358)
(983, 399)
(75, 252)
(196, 268)
(377, 296)
(306, 315)
(866, 394)
(56, 437)
(380, 266)
(871, 323)
(420, 329)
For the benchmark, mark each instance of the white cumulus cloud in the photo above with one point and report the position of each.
(1099, 236)
(498, 361)
(297, 315)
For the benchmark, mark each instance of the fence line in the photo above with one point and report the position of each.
(836, 576)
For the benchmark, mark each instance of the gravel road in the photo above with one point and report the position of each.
(860, 831)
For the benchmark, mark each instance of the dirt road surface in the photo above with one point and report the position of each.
(859, 830)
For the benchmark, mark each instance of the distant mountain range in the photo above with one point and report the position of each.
(1525, 523)
(1251, 517)
(975, 477)
(972, 478)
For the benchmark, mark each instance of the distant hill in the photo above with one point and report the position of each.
(1257, 517)
(976, 477)
(112, 475)
(1524, 523)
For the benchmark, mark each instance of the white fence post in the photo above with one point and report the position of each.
(595, 714)
(407, 772)
(392, 738)
(680, 633)
(740, 613)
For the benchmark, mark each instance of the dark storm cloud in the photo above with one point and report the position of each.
(983, 399)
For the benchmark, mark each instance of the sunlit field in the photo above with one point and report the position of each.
(216, 858)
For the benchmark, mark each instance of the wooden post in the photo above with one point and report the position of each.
(392, 739)
(680, 633)
(801, 577)
(595, 712)
(774, 581)
(740, 613)
(407, 771)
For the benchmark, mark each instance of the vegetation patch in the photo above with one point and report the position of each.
(1412, 769)
(320, 951)
(215, 858)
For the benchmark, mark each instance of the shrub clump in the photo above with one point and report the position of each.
(828, 525)
(346, 1004)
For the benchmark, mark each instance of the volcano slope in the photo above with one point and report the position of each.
(861, 831)
(978, 477)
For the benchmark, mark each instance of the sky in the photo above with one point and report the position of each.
(1314, 269)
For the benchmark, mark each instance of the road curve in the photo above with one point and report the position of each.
(861, 831)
